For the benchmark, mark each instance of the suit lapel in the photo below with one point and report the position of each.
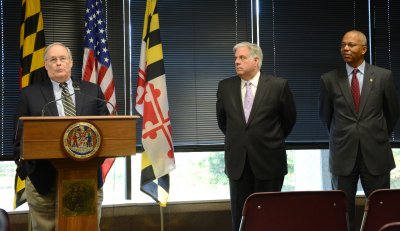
(261, 90)
(78, 103)
(369, 79)
(237, 97)
(345, 87)
(48, 95)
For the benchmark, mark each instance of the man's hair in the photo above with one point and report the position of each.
(255, 50)
(59, 44)
(362, 36)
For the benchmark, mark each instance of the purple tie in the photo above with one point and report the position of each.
(248, 100)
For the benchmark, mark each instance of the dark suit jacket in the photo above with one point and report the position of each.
(32, 100)
(262, 139)
(370, 128)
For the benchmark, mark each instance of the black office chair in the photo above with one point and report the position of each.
(4, 221)
(302, 210)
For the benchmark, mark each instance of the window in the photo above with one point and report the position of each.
(197, 38)
(9, 82)
(300, 43)
(200, 176)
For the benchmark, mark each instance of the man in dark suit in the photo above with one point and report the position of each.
(40, 175)
(256, 112)
(359, 106)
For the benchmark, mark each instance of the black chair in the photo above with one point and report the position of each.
(4, 221)
(302, 210)
(382, 207)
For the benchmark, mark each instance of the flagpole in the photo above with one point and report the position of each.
(162, 218)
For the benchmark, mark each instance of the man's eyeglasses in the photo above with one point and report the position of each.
(53, 60)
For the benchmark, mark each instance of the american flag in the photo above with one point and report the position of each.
(96, 59)
(96, 66)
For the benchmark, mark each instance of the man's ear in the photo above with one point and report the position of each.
(365, 49)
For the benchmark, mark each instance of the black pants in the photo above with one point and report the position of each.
(246, 185)
(349, 183)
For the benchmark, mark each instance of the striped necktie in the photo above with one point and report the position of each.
(68, 104)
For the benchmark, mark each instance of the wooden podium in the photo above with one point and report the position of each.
(68, 143)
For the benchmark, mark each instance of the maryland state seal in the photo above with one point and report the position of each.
(81, 140)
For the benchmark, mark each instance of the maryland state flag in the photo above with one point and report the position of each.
(32, 46)
(152, 103)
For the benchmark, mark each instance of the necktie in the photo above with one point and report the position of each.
(68, 104)
(355, 90)
(248, 100)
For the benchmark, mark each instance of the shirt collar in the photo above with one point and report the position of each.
(360, 68)
(56, 85)
(253, 81)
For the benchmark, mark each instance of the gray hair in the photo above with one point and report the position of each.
(363, 38)
(255, 50)
(57, 44)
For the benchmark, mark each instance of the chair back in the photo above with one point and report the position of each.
(382, 207)
(392, 226)
(301, 210)
(4, 220)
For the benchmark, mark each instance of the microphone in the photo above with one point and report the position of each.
(77, 89)
(53, 101)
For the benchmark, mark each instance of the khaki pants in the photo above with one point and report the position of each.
(42, 209)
